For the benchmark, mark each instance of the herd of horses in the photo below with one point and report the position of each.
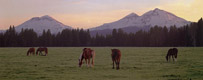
(40, 50)
(88, 54)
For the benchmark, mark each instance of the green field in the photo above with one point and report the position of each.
(137, 63)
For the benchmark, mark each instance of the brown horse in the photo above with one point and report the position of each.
(116, 57)
(31, 50)
(87, 55)
(172, 52)
(41, 49)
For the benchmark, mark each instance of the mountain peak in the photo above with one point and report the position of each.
(46, 16)
(131, 15)
(157, 9)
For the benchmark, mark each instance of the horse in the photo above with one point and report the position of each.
(172, 52)
(87, 55)
(41, 49)
(31, 50)
(116, 57)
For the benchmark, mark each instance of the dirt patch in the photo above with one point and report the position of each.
(171, 75)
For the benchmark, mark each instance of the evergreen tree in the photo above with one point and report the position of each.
(28, 38)
(2, 40)
(10, 37)
(200, 33)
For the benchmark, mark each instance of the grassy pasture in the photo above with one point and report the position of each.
(137, 63)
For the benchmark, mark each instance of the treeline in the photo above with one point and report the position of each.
(188, 35)
(29, 38)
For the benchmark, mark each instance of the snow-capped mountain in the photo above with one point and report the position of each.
(149, 19)
(160, 18)
(38, 24)
(124, 22)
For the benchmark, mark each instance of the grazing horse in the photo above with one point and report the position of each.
(116, 56)
(31, 50)
(40, 50)
(87, 55)
(172, 52)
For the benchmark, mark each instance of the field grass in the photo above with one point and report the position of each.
(137, 63)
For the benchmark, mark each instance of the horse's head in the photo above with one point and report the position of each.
(37, 52)
(80, 60)
(167, 58)
(175, 55)
(80, 63)
(175, 50)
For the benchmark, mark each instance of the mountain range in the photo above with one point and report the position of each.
(133, 23)
(130, 23)
(149, 19)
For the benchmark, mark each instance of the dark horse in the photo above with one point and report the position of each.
(87, 55)
(31, 50)
(172, 52)
(116, 56)
(41, 49)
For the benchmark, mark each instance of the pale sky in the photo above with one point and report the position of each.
(91, 13)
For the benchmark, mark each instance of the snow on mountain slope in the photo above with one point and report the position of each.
(38, 24)
(150, 18)
(160, 18)
(124, 22)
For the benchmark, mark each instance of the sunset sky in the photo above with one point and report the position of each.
(92, 13)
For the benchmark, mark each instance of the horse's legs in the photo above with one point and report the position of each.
(116, 61)
(34, 53)
(117, 64)
(41, 53)
(92, 62)
(89, 62)
(173, 58)
(113, 64)
(86, 62)
(93, 55)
